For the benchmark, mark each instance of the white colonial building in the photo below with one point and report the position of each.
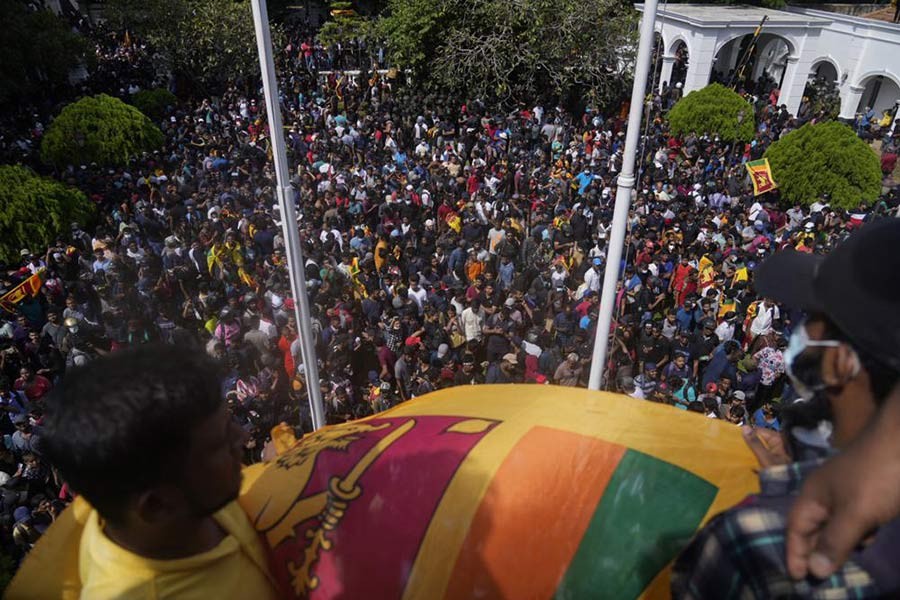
(862, 55)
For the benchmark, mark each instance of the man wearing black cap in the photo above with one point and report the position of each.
(703, 344)
(843, 361)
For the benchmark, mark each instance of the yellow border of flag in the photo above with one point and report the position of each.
(29, 287)
(761, 175)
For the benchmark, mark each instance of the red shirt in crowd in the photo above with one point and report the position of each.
(35, 389)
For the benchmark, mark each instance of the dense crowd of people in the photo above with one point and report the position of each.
(445, 244)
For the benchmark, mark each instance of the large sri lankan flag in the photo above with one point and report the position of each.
(496, 492)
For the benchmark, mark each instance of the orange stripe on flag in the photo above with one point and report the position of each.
(520, 543)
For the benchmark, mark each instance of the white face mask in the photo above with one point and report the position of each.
(807, 382)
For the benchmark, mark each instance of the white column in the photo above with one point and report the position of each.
(703, 52)
(850, 97)
(792, 85)
(665, 76)
(285, 194)
(625, 185)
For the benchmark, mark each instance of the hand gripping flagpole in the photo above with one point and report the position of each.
(623, 196)
(285, 195)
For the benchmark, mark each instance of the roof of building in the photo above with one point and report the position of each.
(710, 15)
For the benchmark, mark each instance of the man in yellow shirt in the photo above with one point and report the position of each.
(145, 438)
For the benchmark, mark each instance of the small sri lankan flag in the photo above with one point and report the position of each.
(496, 492)
(761, 176)
(28, 288)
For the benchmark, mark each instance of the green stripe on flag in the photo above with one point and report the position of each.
(647, 514)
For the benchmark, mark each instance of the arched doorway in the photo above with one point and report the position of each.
(880, 93)
(821, 96)
(824, 70)
(680, 66)
(746, 62)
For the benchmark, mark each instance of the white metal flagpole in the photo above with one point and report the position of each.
(285, 194)
(623, 196)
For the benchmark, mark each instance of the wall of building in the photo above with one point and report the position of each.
(861, 50)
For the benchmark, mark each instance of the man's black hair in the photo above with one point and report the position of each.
(123, 423)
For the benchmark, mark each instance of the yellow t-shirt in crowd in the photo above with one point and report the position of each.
(235, 568)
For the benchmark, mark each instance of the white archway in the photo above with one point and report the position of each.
(740, 57)
(880, 91)
(826, 67)
(674, 61)
(675, 44)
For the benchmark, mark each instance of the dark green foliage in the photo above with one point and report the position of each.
(35, 210)
(825, 158)
(154, 103)
(345, 25)
(99, 129)
(204, 42)
(37, 51)
(714, 109)
(514, 51)
(823, 97)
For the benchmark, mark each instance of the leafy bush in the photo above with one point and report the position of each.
(716, 110)
(35, 210)
(825, 158)
(154, 103)
(99, 129)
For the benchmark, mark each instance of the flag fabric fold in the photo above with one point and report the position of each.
(502, 491)
(761, 176)
(27, 289)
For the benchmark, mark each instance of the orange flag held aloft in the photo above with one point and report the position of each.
(761, 176)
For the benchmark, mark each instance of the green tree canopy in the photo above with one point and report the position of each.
(514, 50)
(825, 158)
(35, 211)
(345, 24)
(154, 103)
(714, 109)
(99, 129)
(38, 51)
(206, 42)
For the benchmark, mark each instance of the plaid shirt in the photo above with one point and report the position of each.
(741, 552)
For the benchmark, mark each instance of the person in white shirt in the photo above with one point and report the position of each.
(725, 330)
(267, 325)
(472, 320)
(559, 276)
(496, 234)
(628, 387)
(417, 293)
(593, 277)
(766, 314)
(755, 209)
